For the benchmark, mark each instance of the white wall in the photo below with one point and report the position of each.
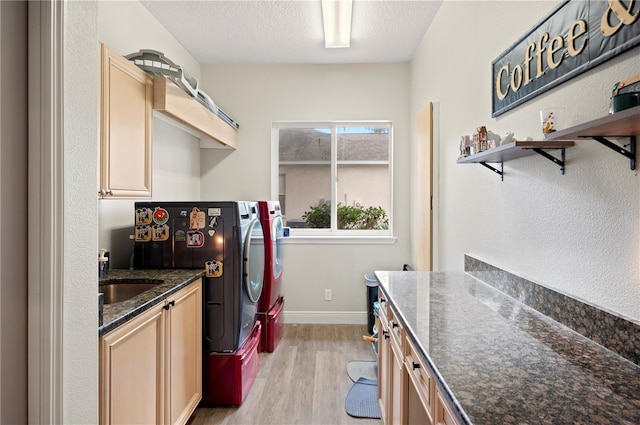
(80, 339)
(578, 233)
(126, 27)
(257, 95)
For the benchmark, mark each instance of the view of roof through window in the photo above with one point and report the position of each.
(360, 188)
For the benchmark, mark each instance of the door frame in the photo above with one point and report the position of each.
(46, 212)
(426, 213)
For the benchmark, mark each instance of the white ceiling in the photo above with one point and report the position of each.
(290, 31)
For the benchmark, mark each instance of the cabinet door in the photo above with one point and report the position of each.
(416, 413)
(398, 378)
(442, 413)
(184, 353)
(132, 371)
(125, 128)
(384, 356)
(420, 388)
(398, 381)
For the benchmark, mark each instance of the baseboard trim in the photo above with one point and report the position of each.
(332, 317)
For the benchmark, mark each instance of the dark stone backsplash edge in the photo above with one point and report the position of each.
(618, 334)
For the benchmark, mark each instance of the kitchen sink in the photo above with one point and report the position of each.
(118, 290)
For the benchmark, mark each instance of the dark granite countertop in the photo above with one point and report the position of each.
(501, 362)
(114, 315)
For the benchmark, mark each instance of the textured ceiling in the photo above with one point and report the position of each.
(290, 31)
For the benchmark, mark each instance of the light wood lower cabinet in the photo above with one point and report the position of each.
(132, 370)
(398, 377)
(443, 413)
(391, 375)
(407, 391)
(420, 388)
(151, 367)
(384, 356)
(184, 350)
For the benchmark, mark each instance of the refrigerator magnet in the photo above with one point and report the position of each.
(143, 216)
(213, 268)
(180, 236)
(160, 215)
(143, 233)
(195, 239)
(160, 232)
(196, 219)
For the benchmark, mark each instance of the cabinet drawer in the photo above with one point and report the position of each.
(397, 333)
(384, 320)
(420, 376)
(443, 413)
(383, 303)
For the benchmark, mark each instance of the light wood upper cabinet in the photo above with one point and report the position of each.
(187, 113)
(126, 112)
(151, 366)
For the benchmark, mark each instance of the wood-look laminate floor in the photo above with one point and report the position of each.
(304, 381)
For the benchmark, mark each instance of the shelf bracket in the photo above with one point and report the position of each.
(552, 158)
(631, 153)
(495, 170)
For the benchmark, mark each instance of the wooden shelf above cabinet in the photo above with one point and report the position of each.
(515, 150)
(621, 124)
(193, 117)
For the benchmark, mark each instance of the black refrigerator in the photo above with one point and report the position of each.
(224, 239)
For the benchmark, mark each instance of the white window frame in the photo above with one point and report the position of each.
(334, 235)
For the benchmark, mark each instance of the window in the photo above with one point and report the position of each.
(334, 178)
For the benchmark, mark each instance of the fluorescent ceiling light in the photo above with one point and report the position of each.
(336, 16)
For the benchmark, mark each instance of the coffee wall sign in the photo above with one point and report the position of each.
(576, 36)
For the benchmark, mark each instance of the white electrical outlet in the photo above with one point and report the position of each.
(327, 294)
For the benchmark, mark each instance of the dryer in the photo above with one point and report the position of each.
(253, 263)
(228, 377)
(271, 304)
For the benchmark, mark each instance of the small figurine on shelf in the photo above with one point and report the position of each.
(465, 146)
(493, 140)
(482, 138)
(507, 138)
(475, 146)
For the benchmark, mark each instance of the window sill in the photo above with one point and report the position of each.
(340, 240)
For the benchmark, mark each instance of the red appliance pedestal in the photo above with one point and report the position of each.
(228, 377)
(272, 325)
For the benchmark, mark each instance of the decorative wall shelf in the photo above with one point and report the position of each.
(515, 150)
(621, 124)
